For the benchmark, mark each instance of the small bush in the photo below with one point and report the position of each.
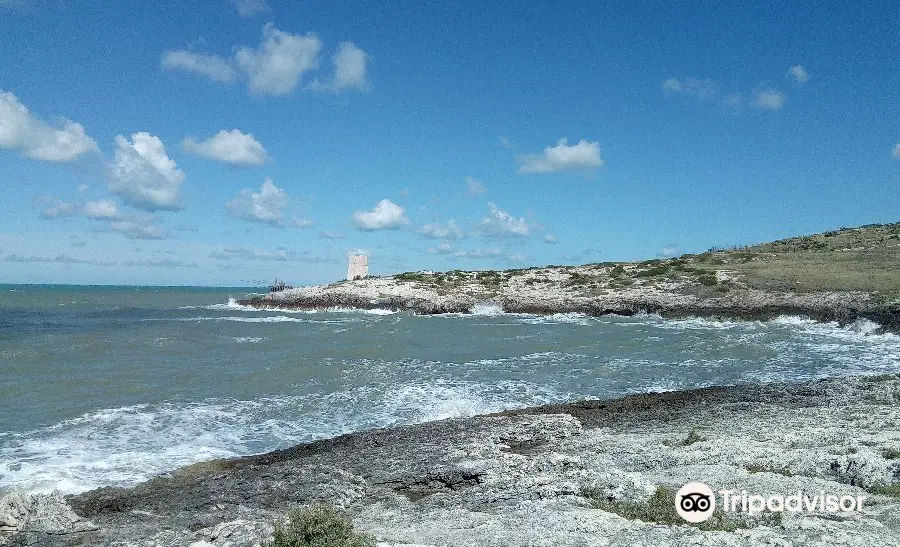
(692, 437)
(412, 276)
(317, 525)
(652, 272)
(769, 468)
(891, 454)
(617, 271)
(892, 490)
(707, 279)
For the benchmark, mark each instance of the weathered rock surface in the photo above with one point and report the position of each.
(548, 291)
(517, 478)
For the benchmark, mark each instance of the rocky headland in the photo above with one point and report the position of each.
(583, 473)
(843, 275)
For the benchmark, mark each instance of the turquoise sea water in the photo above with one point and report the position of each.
(111, 385)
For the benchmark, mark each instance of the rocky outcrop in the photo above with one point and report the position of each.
(518, 295)
(531, 476)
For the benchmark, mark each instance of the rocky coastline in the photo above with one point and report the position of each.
(566, 474)
(592, 290)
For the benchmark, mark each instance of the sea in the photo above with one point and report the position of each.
(109, 386)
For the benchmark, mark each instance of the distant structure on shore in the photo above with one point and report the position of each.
(358, 267)
(279, 286)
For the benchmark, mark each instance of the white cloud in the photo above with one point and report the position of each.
(232, 147)
(550, 239)
(386, 215)
(249, 8)
(896, 153)
(798, 73)
(59, 210)
(499, 223)
(479, 253)
(143, 175)
(266, 206)
(137, 229)
(278, 64)
(20, 130)
(103, 209)
(505, 142)
(436, 230)
(332, 235)
(301, 223)
(669, 251)
(768, 99)
(475, 187)
(213, 67)
(583, 156)
(442, 249)
(247, 253)
(702, 89)
(349, 70)
(82, 188)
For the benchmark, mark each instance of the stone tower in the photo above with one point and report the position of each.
(358, 267)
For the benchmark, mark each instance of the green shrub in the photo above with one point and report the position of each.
(652, 272)
(707, 279)
(317, 525)
(617, 271)
(412, 276)
(769, 468)
(892, 490)
(891, 454)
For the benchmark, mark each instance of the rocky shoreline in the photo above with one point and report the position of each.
(566, 474)
(592, 290)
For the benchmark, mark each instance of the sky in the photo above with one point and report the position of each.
(232, 142)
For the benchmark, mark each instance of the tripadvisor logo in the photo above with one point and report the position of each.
(695, 502)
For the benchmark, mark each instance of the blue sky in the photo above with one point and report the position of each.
(246, 140)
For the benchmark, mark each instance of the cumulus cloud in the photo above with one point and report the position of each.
(234, 147)
(59, 210)
(437, 230)
(137, 228)
(896, 153)
(20, 130)
(702, 89)
(278, 64)
(143, 175)
(499, 223)
(584, 156)
(349, 70)
(266, 206)
(103, 209)
(386, 215)
(442, 249)
(768, 99)
(549, 239)
(249, 8)
(798, 73)
(474, 187)
(213, 67)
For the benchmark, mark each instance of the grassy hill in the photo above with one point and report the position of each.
(866, 258)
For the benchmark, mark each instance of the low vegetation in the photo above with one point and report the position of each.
(769, 468)
(891, 490)
(317, 525)
(660, 509)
